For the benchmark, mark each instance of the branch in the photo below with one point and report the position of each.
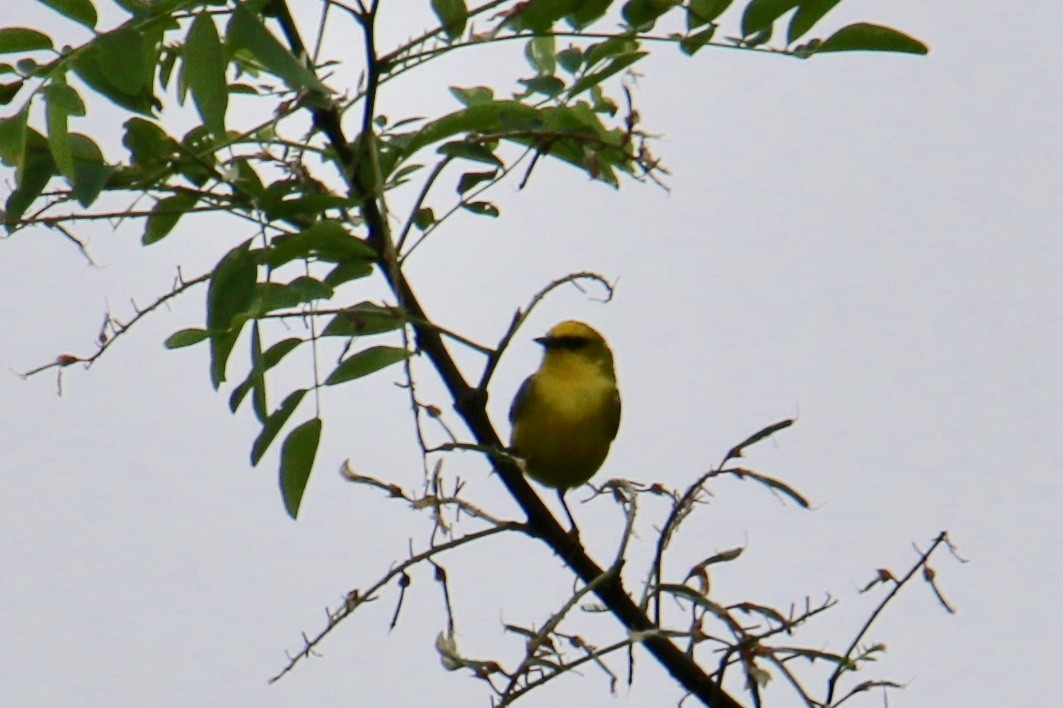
(471, 406)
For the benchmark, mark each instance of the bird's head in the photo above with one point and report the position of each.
(575, 342)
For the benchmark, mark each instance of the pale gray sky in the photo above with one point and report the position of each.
(870, 242)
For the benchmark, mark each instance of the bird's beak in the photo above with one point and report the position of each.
(542, 341)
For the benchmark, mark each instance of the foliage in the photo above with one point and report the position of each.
(312, 238)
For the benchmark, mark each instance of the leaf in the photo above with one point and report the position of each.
(34, 172)
(9, 91)
(473, 96)
(324, 240)
(481, 208)
(270, 358)
(257, 375)
(125, 57)
(165, 215)
(809, 12)
(148, 144)
(23, 39)
(62, 102)
(617, 64)
(481, 118)
(13, 138)
(642, 14)
(274, 423)
(702, 12)
(539, 16)
(366, 362)
(550, 86)
(346, 272)
(90, 171)
(186, 338)
(204, 70)
(696, 597)
(246, 31)
(541, 53)
(469, 151)
(453, 16)
(471, 179)
(587, 12)
(80, 11)
(760, 15)
(424, 218)
(109, 70)
(570, 59)
(690, 45)
(364, 319)
(230, 294)
(721, 557)
(871, 38)
(297, 460)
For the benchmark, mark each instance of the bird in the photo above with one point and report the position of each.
(566, 415)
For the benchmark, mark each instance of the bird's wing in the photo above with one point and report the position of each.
(520, 399)
(614, 415)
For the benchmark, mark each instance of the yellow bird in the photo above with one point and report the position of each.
(566, 414)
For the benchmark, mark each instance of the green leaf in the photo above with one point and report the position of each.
(570, 59)
(274, 423)
(470, 151)
(229, 297)
(453, 16)
(539, 16)
(617, 64)
(492, 117)
(424, 218)
(13, 138)
(541, 53)
(808, 14)
(9, 91)
(642, 14)
(165, 215)
(270, 358)
(550, 86)
(122, 54)
(346, 272)
(702, 12)
(274, 296)
(362, 320)
(871, 38)
(34, 172)
(760, 15)
(204, 70)
(258, 375)
(246, 31)
(80, 11)
(481, 208)
(23, 39)
(325, 240)
(116, 62)
(473, 96)
(61, 102)
(297, 460)
(186, 338)
(587, 12)
(366, 362)
(148, 145)
(690, 45)
(90, 171)
(471, 179)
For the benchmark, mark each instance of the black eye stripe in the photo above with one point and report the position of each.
(569, 341)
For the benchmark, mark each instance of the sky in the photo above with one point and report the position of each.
(869, 243)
